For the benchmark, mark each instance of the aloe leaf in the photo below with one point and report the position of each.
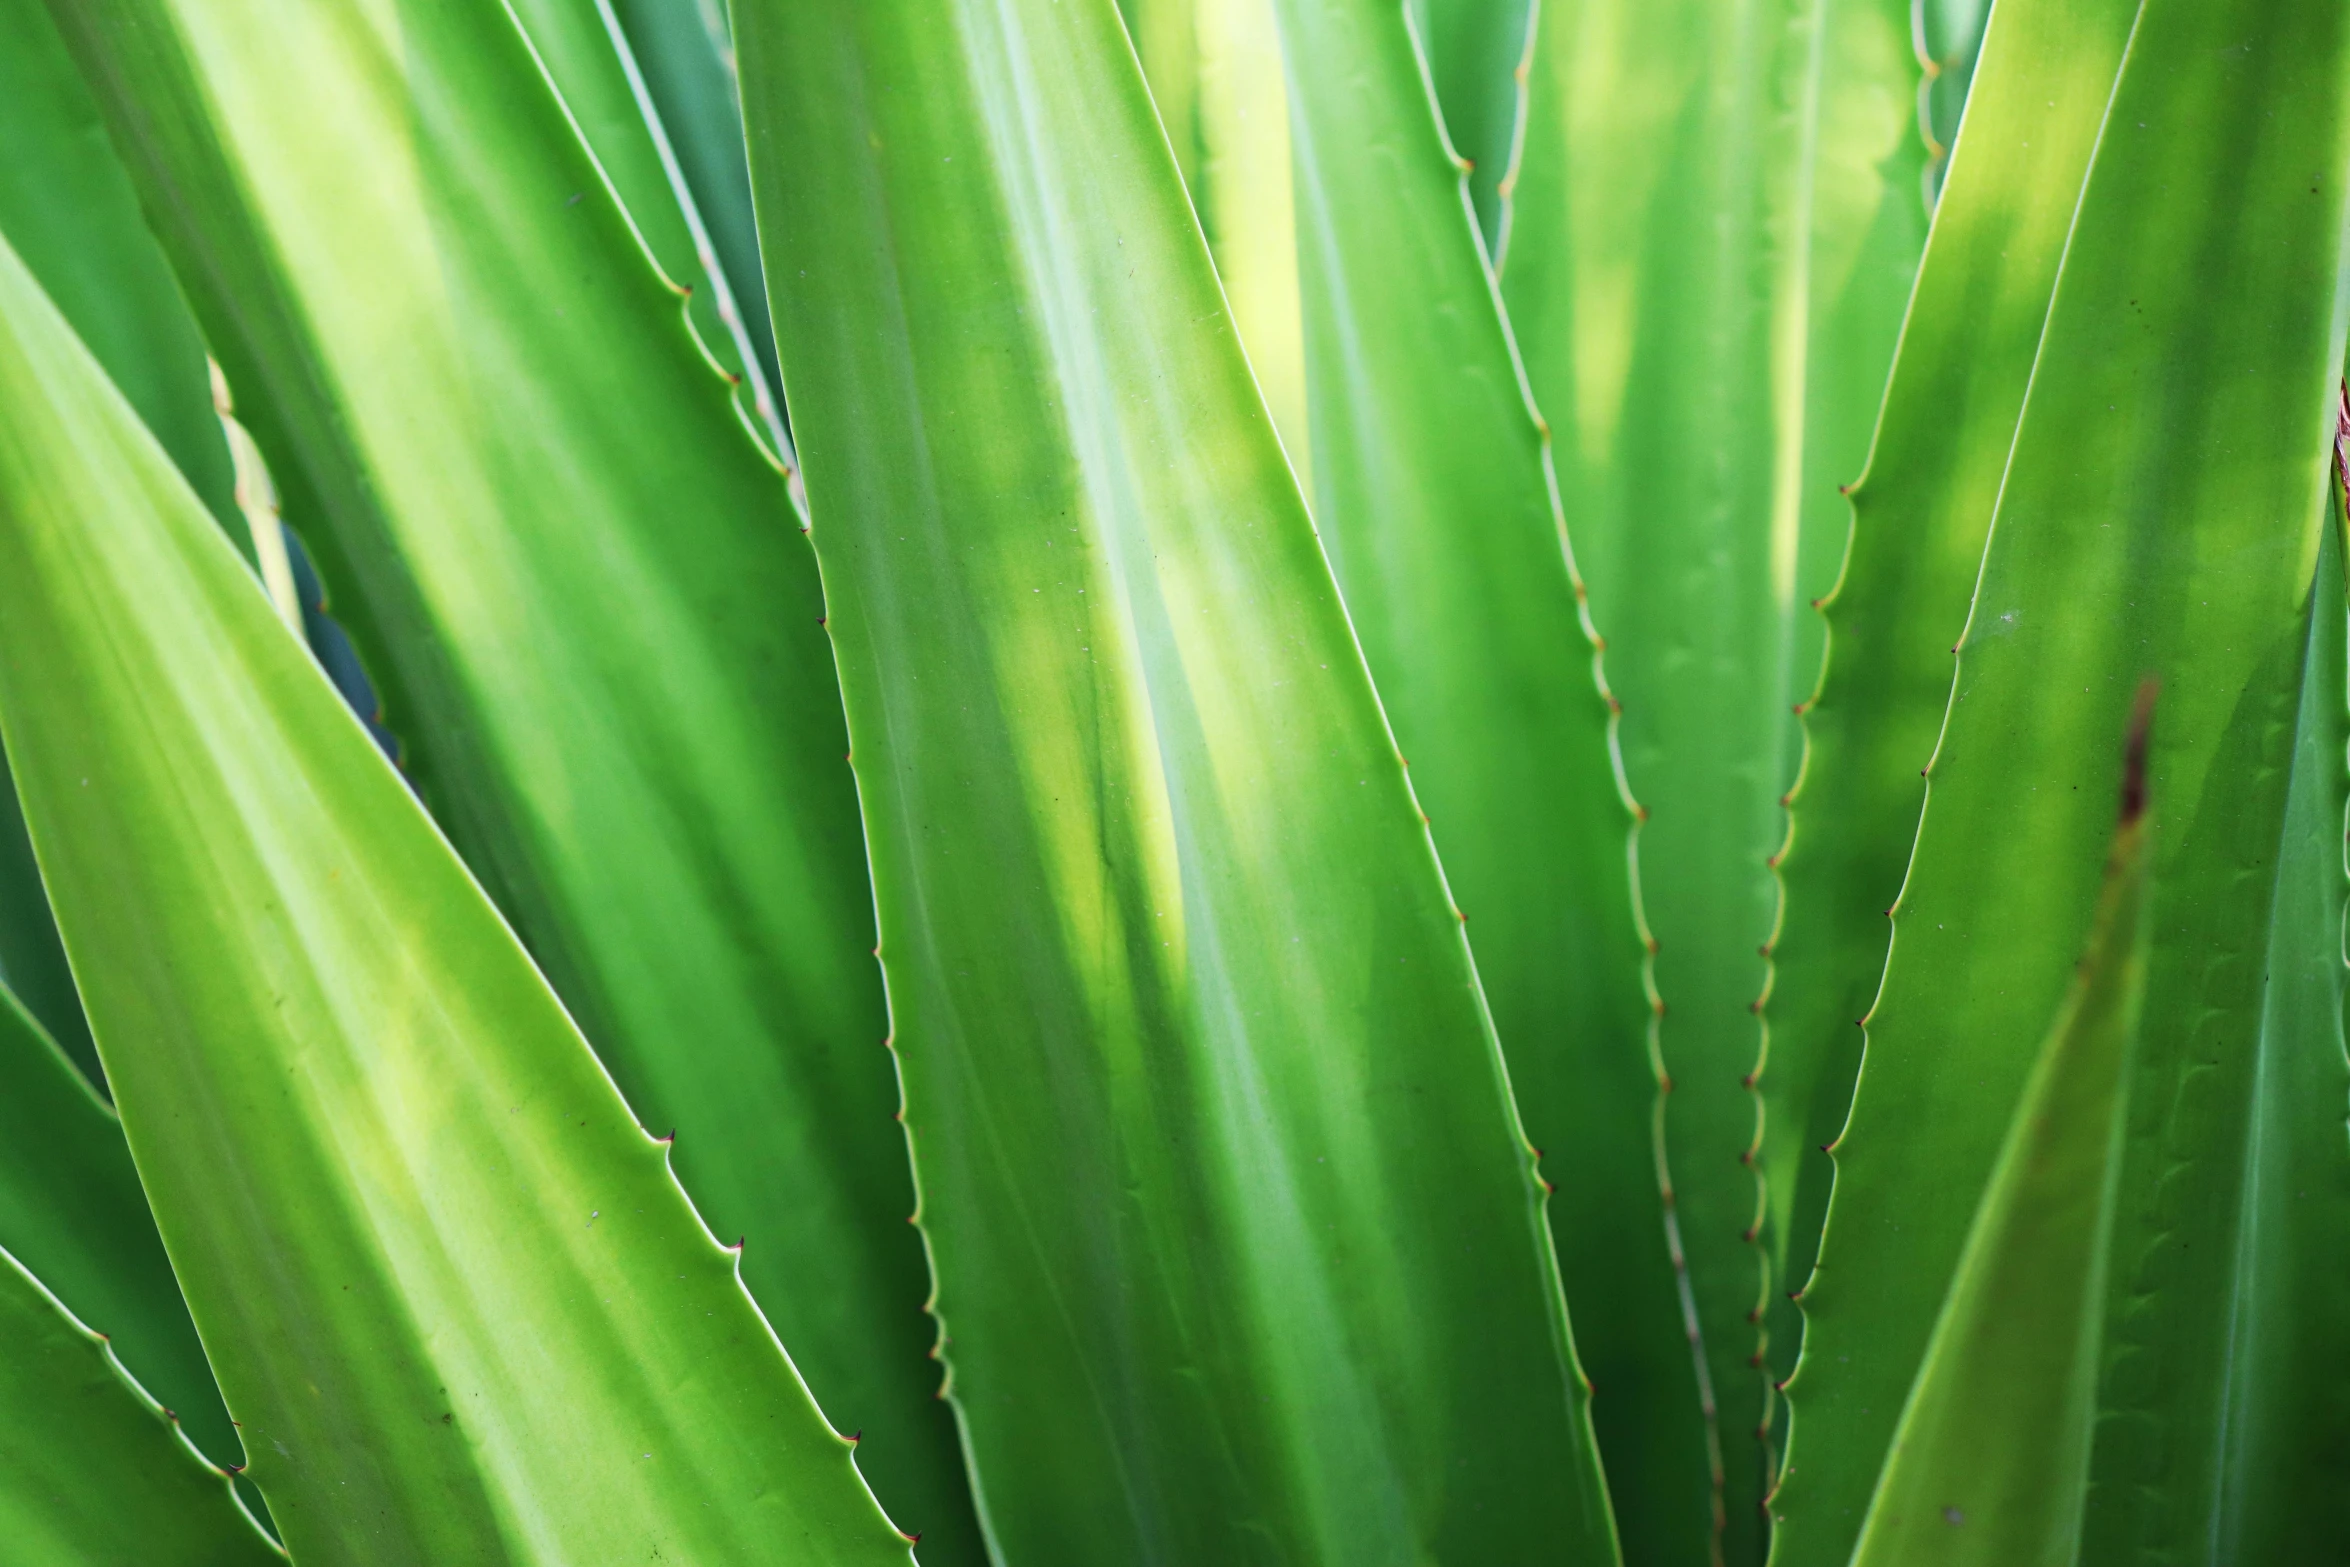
(71, 1210)
(2287, 1392)
(1988, 1462)
(2160, 512)
(1240, 1253)
(594, 622)
(1432, 488)
(1475, 51)
(685, 52)
(1949, 42)
(451, 1290)
(71, 213)
(1921, 514)
(32, 960)
(92, 1469)
(1714, 227)
(587, 55)
(1216, 75)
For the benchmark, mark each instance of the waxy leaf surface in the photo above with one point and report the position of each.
(92, 1471)
(1921, 515)
(2159, 515)
(1240, 1253)
(1988, 1462)
(1715, 224)
(585, 597)
(450, 1288)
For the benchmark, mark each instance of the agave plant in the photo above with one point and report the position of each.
(538, 540)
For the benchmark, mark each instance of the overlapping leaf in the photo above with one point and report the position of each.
(1240, 1255)
(449, 1286)
(2160, 511)
(585, 597)
(1990, 1459)
(1921, 514)
(1432, 490)
(1715, 224)
(91, 1469)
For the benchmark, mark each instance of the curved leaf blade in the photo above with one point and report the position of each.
(430, 1252)
(1240, 1254)
(72, 1211)
(2160, 512)
(1433, 491)
(1921, 514)
(1714, 228)
(582, 593)
(1989, 1461)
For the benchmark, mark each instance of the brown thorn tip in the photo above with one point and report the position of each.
(2134, 754)
(856, 1436)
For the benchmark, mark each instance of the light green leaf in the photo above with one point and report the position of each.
(1432, 486)
(1475, 50)
(2160, 512)
(1989, 1461)
(1713, 231)
(583, 594)
(1240, 1254)
(456, 1300)
(71, 1208)
(92, 1470)
(1216, 75)
(1921, 514)
(586, 54)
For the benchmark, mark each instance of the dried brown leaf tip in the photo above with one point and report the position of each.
(2134, 754)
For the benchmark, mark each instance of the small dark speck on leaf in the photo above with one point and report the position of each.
(1953, 1517)
(573, 199)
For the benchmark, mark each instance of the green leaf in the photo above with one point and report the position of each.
(1240, 1253)
(2160, 512)
(68, 208)
(593, 621)
(1475, 50)
(92, 1470)
(1921, 514)
(1988, 1463)
(33, 969)
(71, 1210)
(686, 56)
(1950, 39)
(1713, 233)
(586, 55)
(1216, 77)
(452, 1293)
(2287, 1395)
(1433, 491)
